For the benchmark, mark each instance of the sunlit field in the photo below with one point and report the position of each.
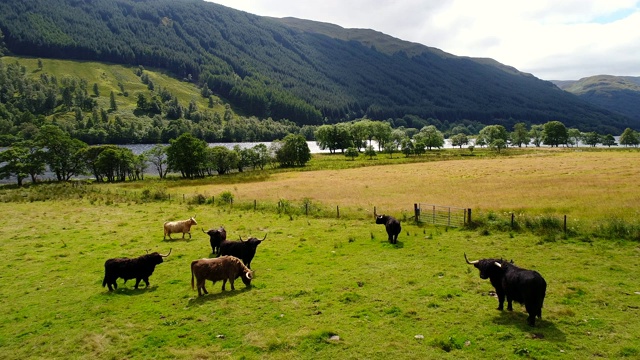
(327, 287)
(586, 186)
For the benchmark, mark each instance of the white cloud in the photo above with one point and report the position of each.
(554, 40)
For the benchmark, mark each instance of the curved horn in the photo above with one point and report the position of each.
(248, 273)
(265, 236)
(203, 230)
(470, 262)
(497, 264)
(241, 238)
(167, 254)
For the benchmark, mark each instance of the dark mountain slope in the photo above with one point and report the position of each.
(619, 94)
(288, 68)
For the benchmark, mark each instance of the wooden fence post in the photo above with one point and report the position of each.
(416, 211)
(338, 210)
(255, 204)
(565, 224)
(512, 218)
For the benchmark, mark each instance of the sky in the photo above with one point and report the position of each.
(551, 39)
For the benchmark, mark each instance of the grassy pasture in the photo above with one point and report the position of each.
(319, 277)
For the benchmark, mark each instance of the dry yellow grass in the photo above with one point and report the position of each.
(574, 183)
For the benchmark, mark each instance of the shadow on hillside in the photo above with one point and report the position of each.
(544, 330)
(218, 294)
(131, 291)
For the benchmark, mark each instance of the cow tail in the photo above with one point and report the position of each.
(192, 287)
(104, 282)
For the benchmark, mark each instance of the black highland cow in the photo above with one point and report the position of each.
(524, 286)
(216, 237)
(139, 268)
(391, 224)
(244, 250)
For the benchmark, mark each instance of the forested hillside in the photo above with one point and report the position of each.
(303, 71)
(620, 94)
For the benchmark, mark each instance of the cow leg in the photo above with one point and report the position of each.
(224, 283)
(509, 306)
(146, 281)
(231, 282)
(137, 282)
(500, 300)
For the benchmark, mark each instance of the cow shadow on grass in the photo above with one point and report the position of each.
(544, 330)
(217, 294)
(398, 245)
(130, 291)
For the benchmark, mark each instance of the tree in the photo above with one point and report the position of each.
(264, 157)
(592, 138)
(459, 140)
(157, 155)
(221, 159)
(294, 151)
(498, 145)
(609, 140)
(370, 152)
(96, 90)
(555, 133)
(112, 102)
(63, 155)
(187, 155)
(491, 133)
(352, 153)
(406, 146)
(520, 135)
(574, 135)
(382, 133)
(536, 133)
(430, 136)
(13, 164)
(390, 147)
(629, 137)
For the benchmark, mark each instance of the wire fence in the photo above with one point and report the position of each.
(442, 215)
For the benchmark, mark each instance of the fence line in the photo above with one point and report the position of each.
(442, 215)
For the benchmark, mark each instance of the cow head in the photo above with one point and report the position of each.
(382, 219)
(247, 277)
(157, 257)
(193, 220)
(217, 234)
(254, 242)
(488, 267)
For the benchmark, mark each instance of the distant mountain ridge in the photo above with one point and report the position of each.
(619, 94)
(304, 71)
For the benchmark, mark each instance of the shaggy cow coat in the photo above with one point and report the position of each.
(245, 250)
(524, 286)
(225, 268)
(392, 225)
(216, 237)
(139, 268)
(183, 226)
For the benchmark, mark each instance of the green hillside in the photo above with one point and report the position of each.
(32, 93)
(619, 94)
(303, 71)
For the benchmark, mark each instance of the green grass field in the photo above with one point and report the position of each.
(316, 277)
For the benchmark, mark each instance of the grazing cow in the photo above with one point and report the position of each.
(216, 237)
(139, 268)
(524, 286)
(222, 268)
(243, 250)
(183, 226)
(391, 224)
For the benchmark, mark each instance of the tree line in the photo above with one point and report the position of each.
(355, 137)
(54, 149)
